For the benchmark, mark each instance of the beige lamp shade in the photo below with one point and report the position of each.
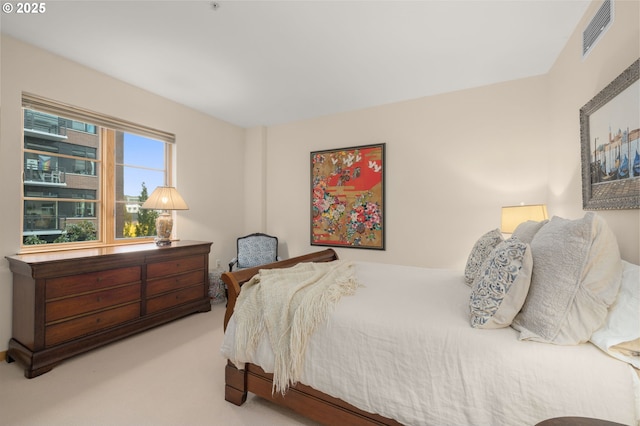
(512, 216)
(165, 198)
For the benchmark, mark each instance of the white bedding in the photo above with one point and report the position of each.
(402, 347)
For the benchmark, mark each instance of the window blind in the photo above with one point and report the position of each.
(39, 103)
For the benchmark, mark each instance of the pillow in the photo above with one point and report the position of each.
(576, 276)
(480, 251)
(527, 230)
(501, 287)
(620, 334)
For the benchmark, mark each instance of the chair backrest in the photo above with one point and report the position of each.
(55, 176)
(257, 249)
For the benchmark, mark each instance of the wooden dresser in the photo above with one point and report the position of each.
(69, 302)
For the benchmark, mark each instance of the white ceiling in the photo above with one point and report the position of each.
(270, 62)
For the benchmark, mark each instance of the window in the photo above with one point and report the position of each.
(86, 175)
(140, 168)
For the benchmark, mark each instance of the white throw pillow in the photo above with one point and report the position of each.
(480, 251)
(621, 329)
(576, 276)
(527, 230)
(501, 287)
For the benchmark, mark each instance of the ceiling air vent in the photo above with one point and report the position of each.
(597, 27)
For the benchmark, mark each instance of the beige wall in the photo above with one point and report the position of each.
(255, 183)
(209, 152)
(573, 81)
(453, 160)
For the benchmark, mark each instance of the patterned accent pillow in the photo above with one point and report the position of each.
(480, 252)
(501, 287)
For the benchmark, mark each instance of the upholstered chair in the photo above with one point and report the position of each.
(255, 250)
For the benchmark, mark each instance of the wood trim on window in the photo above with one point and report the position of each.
(108, 211)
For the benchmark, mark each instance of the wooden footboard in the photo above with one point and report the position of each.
(235, 280)
(301, 398)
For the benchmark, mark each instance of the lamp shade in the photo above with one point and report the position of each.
(512, 216)
(165, 198)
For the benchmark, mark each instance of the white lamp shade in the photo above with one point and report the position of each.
(512, 216)
(165, 198)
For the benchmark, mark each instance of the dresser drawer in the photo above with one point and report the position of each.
(68, 330)
(74, 284)
(68, 302)
(175, 282)
(175, 298)
(177, 266)
(72, 306)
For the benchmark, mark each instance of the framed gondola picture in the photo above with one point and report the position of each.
(610, 145)
(347, 197)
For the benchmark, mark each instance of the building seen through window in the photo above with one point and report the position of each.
(75, 171)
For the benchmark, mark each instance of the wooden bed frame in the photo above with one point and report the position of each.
(301, 398)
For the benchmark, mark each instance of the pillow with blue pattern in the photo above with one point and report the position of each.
(502, 284)
(480, 251)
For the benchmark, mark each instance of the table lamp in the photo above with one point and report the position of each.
(512, 216)
(164, 198)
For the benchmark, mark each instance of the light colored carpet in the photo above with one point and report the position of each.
(170, 375)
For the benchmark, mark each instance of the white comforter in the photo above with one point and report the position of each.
(402, 347)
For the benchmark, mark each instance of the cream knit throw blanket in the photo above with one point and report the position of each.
(288, 304)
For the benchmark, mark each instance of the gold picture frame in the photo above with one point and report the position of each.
(347, 197)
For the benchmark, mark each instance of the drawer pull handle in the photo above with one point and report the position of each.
(98, 299)
(97, 320)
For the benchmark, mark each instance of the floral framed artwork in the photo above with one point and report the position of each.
(610, 145)
(347, 197)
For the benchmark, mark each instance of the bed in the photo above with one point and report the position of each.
(401, 349)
